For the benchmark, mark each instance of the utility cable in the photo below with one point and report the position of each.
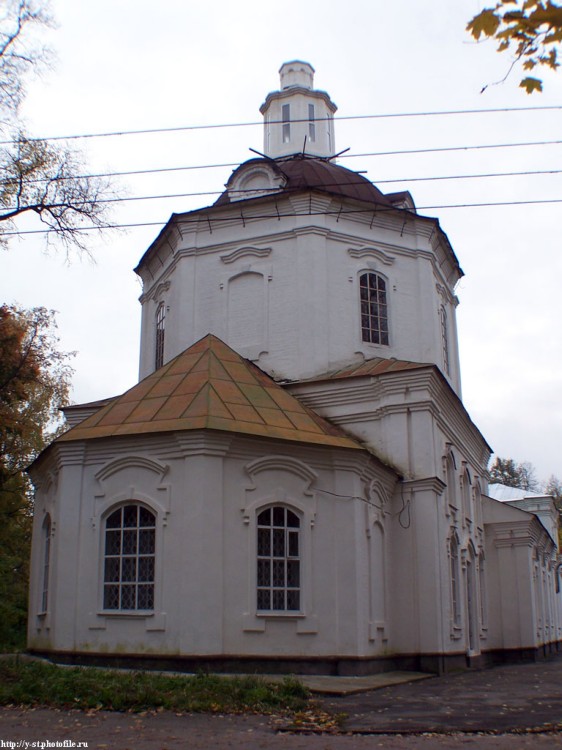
(441, 149)
(214, 126)
(274, 191)
(376, 210)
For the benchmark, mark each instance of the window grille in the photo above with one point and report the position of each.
(46, 563)
(466, 496)
(129, 559)
(311, 123)
(278, 560)
(445, 341)
(455, 582)
(483, 593)
(286, 115)
(374, 309)
(160, 328)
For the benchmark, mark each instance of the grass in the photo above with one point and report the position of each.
(44, 684)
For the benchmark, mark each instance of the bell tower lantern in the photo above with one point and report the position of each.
(298, 118)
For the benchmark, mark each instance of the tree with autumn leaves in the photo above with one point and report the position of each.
(34, 385)
(530, 29)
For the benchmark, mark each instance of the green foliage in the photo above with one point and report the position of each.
(530, 29)
(34, 384)
(37, 683)
(37, 178)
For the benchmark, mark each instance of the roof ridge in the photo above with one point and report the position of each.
(210, 386)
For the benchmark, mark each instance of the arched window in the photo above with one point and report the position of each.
(286, 115)
(278, 560)
(445, 340)
(130, 533)
(311, 123)
(374, 308)
(483, 592)
(455, 581)
(46, 563)
(451, 480)
(160, 328)
(466, 495)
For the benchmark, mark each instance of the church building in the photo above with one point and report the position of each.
(294, 484)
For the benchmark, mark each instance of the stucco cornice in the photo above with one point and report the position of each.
(427, 484)
(246, 252)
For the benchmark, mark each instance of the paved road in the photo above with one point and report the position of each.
(515, 697)
(451, 710)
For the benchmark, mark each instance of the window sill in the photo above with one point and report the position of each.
(279, 613)
(374, 345)
(133, 613)
(456, 632)
(154, 620)
(258, 622)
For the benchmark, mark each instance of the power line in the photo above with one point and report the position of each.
(215, 126)
(273, 191)
(376, 210)
(441, 149)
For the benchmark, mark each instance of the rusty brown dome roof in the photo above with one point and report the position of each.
(301, 172)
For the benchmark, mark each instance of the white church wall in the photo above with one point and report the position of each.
(393, 556)
(205, 504)
(311, 318)
(521, 558)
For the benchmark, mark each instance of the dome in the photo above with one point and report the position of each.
(299, 173)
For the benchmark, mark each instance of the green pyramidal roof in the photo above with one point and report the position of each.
(210, 386)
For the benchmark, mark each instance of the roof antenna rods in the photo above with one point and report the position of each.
(335, 156)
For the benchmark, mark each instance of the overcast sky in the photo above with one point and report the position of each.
(135, 64)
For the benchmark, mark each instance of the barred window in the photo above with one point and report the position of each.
(374, 309)
(160, 328)
(130, 536)
(455, 581)
(46, 563)
(445, 340)
(483, 594)
(286, 115)
(466, 495)
(278, 560)
(311, 123)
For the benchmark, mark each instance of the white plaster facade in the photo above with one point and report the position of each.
(401, 557)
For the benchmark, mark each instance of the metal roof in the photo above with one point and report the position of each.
(303, 172)
(210, 386)
(370, 367)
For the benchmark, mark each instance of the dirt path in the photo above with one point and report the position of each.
(166, 731)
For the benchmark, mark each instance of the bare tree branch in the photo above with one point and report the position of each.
(37, 178)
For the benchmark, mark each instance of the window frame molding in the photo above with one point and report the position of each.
(372, 268)
(103, 539)
(445, 340)
(160, 334)
(450, 471)
(45, 593)
(466, 499)
(455, 585)
(306, 620)
(155, 619)
(288, 508)
(280, 479)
